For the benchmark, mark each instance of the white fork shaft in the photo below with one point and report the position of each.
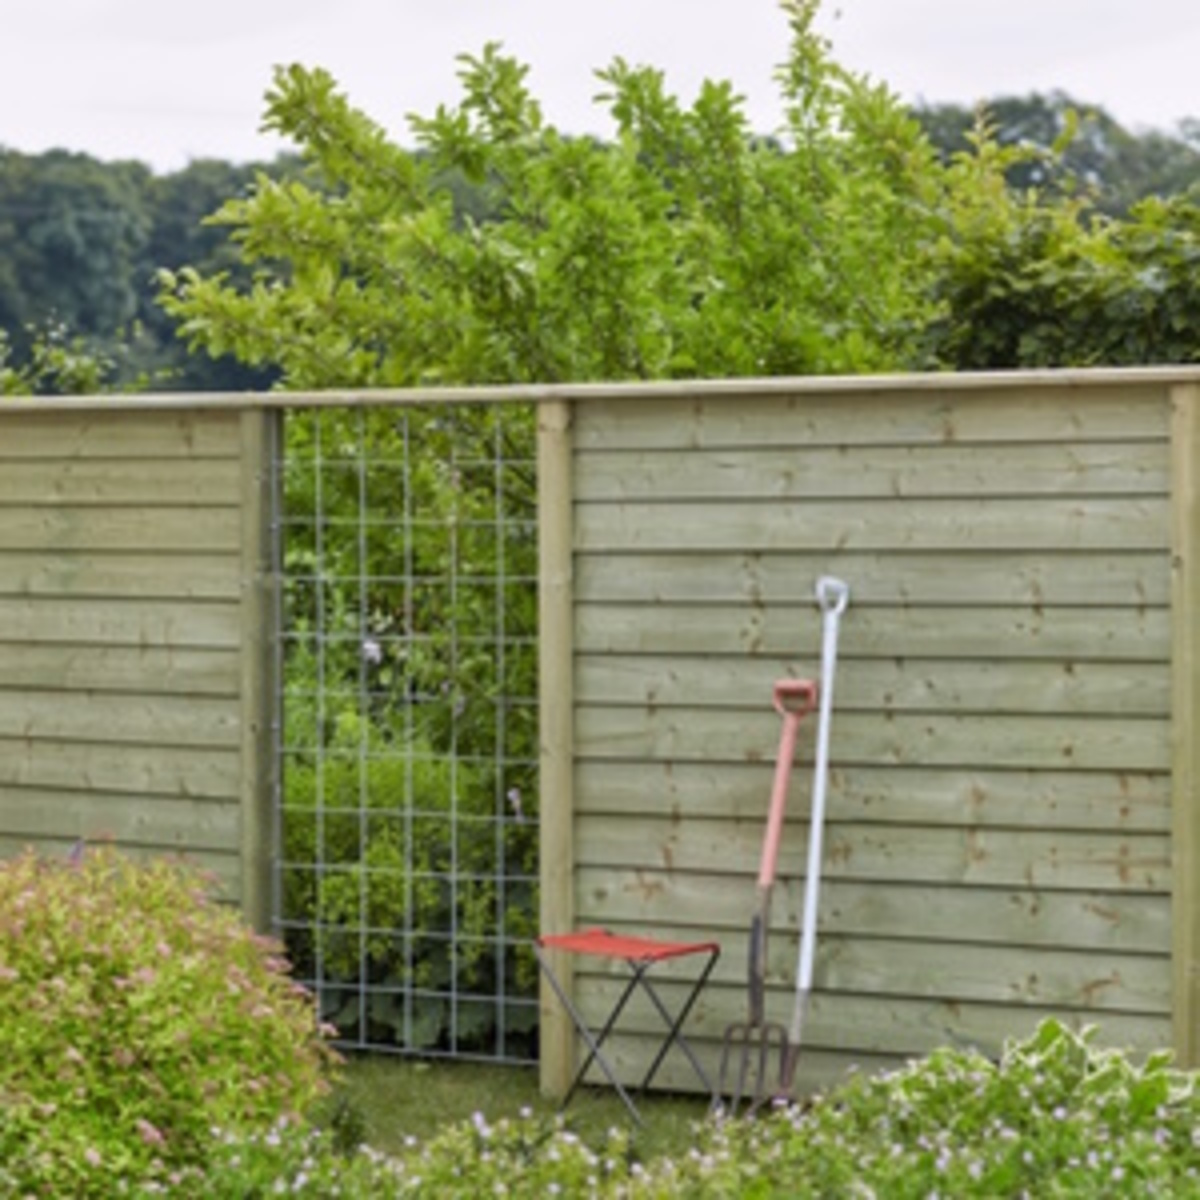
(832, 595)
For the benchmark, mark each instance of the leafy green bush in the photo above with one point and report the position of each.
(1054, 1118)
(136, 1014)
(291, 1158)
(389, 850)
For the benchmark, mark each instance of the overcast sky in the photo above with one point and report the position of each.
(166, 81)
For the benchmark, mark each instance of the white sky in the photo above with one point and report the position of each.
(166, 81)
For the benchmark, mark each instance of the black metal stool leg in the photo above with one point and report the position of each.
(675, 1026)
(593, 1042)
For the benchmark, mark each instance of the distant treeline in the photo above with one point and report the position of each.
(81, 240)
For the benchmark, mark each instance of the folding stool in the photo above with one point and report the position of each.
(640, 955)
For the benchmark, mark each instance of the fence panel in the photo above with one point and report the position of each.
(123, 593)
(999, 843)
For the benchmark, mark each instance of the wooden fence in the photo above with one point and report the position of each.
(1013, 820)
(134, 681)
(1012, 811)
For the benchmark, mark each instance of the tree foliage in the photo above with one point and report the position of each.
(684, 245)
(71, 232)
(1074, 147)
(1027, 278)
(53, 365)
(80, 243)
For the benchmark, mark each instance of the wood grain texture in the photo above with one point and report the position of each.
(906, 1027)
(165, 824)
(143, 575)
(1185, 771)
(989, 633)
(882, 472)
(557, 835)
(117, 621)
(964, 524)
(119, 432)
(883, 684)
(999, 843)
(116, 670)
(1024, 578)
(122, 712)
(86, 482)
(128, 719)
(848, 418)
(1071, 860)
(258, 712)
(980, 797)
(1017, 915)
(660, 734)
(119, 528)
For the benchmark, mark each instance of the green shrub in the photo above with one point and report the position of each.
(407, 845)
(136, 1015)
(291, 1158)
(1054, 1118)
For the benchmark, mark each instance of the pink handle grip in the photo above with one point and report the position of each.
(794, 699)
(797, 696)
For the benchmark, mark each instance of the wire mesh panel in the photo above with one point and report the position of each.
(407, 832)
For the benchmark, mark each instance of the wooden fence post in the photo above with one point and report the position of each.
(556, 707)
(1185, 647)
(256, 669)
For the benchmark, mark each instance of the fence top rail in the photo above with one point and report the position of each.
(1091, 377)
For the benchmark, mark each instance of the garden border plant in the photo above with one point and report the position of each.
(138, 1014)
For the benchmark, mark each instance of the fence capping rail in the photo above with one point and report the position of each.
(541, 393)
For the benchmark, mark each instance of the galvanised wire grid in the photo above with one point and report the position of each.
(406, 832)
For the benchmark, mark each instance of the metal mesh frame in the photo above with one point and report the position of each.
(406, 755)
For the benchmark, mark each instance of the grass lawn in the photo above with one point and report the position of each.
(400, 1098)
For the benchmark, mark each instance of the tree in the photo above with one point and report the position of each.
(1072, 147)
(683, 246)
(54, 365)
(179, 201)
(73, 232)
(1027, 279)
(80, 243)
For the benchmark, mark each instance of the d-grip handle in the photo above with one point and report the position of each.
(795, 696)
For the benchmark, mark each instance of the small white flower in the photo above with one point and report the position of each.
(372, 651)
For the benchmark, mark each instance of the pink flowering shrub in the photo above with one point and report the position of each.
(137, 1016)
